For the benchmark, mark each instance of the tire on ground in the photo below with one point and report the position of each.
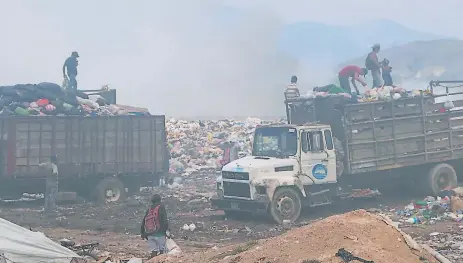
(111, 183)
(284, 198)
(439, 177)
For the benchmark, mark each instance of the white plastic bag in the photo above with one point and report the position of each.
(172, 247)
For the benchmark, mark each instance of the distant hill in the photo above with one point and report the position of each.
(418, 62)
(319, 43)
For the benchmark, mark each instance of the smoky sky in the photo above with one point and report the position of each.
(179, 58)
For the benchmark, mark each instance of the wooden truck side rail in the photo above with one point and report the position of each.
(398, 133)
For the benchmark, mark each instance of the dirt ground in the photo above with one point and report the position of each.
(361, 233)
(116, 226)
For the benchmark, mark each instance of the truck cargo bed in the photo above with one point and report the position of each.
(405, 132)
(85, 146)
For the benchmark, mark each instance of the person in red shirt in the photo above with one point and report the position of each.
(354, 73)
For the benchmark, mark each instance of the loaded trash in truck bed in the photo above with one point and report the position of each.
(50, 99)
(380, 135)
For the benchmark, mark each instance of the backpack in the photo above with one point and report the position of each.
(152, 222)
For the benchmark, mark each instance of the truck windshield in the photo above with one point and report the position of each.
(275, 142)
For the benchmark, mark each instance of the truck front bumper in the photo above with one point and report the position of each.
(238, 205)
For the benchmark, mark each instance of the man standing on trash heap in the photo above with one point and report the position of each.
(51, 183)
(354, 73)
(70, 65)
(372, 63)
(154, 227)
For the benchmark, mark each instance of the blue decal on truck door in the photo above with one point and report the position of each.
(319, 171)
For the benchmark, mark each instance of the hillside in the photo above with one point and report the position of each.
(308, 41)
(421, 61)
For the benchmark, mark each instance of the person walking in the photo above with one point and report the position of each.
(372, 63)
(51, 183)
(154, 226)
(70, 66)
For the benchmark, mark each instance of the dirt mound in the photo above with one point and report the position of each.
(363, 234)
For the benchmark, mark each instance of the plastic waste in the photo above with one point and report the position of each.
(413, 220)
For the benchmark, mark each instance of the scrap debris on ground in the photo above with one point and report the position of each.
(354, 234)
(116, 226)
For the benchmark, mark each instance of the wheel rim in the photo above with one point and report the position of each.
(443, 181)
(112, 194)
(285, 206)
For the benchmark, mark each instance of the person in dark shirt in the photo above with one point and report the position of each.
(157, 237)
(70, 65)
(354, 73)
(386, 73)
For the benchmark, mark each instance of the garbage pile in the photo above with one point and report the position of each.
(385, 93)
(197, 145)
(432, 209)
(50, 99)
(356, 236)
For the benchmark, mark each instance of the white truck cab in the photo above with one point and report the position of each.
(291, 167)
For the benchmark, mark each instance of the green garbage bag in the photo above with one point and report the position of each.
(331, 88)
(21, 111)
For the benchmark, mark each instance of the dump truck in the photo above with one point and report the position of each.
(101, 157)
(328, 142)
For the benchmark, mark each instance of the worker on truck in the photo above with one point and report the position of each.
(354, 73)
(70, 65)
(372, 63)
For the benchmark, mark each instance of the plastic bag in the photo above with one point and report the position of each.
(172, 247)
(65, 83)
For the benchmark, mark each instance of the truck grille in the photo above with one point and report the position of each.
(236, 189)
(235, 175)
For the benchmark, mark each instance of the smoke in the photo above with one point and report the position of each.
(181, 58)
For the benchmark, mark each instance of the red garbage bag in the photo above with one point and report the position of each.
(43, 102)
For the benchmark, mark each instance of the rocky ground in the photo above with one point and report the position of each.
(116, 226)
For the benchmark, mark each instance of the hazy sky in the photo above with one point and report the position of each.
(183, 57)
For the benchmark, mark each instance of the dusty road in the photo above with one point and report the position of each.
(116, 226)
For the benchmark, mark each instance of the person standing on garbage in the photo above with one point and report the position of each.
(292, 91)
(51, 183)
(155, 225)
(70, 65)
(372, 63)
(353, 72)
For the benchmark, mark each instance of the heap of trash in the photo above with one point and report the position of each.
(198, 145)
(385, 93)
(432, 209)
(356, 236)
(45, 99)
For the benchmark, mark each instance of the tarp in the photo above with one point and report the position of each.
(20, 245)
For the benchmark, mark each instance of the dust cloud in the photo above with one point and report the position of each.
(179, 58)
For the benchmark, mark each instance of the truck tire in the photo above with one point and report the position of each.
(110, 190)
(440, 177)
(286, 205)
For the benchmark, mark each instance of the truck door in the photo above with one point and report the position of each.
(318, 160)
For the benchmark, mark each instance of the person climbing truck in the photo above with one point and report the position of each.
(70, 65)
(354, 73)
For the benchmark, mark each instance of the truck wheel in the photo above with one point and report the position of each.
(110, 190)
(286, 205)
(440, 177)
